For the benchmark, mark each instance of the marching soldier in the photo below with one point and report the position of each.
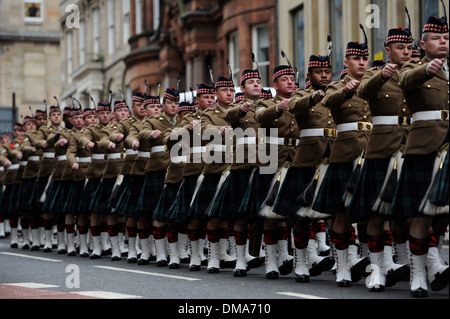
(273, 113)
(152, 135)
(90, 141)
(425, 85)
(390, 127)
(353, 120)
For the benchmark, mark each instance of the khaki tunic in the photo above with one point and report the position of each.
(113, 166)
(124, 127)
(46, 134)
(75, 151)
(29, 141)
(93, 133)
(62, 171)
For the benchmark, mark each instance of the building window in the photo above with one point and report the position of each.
(379, 34)
(138, 16)
(82, 42)
(260, 39)
(336, 36)
(95, 34)
(156, 14)
(233, 54)
(33, 11)
(298, 21)
(110, 26)
(126, 20)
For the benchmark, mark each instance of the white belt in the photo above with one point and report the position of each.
(13, 167)
(385, 120)
(62, 158)
(98, 157)
(158, 149)
(217, 148)
(355, 126)
(179, 159)
(198, 149)
(23, 163)
(114, 156)
(318, 132)
(275, 140)
(430, 116)
(2, 169)
(84, 159)
(131, 152)
(144, 154)
(246, 140)
(49, 155)
(33, 158)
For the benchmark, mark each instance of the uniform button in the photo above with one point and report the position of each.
(429, 86)
(292, 130)
(349, 105)
(293, 123)
(312, 110)
(404, 110)
(404, 101)
(365, 102)
(329, 115)
(246, 121)
(365, 117)
(329, 123)
(387, 96)
(276, 120)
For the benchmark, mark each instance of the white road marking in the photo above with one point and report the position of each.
(32, 257)
(105, 295)
(148, 273)
(303, 296)
(32, 285)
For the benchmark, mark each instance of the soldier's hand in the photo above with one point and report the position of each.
(135, 145)
(19, 156)
(352, 86)
(317, 96)
(389, 70)
(75, 166)
(225, 130)
(7, 164)
(90, 146)
(245, 107)
(192, 125)
(119, 138)
(33, 149)
(63, 142)
(44, 145)
(111, 146)
(155, 134)
(435, 65)
(283, 105)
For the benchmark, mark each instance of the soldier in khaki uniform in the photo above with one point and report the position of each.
(273, 113)
(426, 86)
(390, 127)
(46, 138)
(231, 194)
(78, 159)
(152, 137)
(90, 141)
(114, 153)
(353, 119)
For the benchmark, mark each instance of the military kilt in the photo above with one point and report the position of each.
(151, 192)
(368, 187)
(75, 193)
(415, 177)
(254, 196)
(100, 201)
(14, 201)
(295, 182)
(231, 194)
(204, 196)
(50, 197)
(164, 211)
(440, 194)
(38, 190)
(179, 210)
(117, 193)
(59, 197)
(25, 191)
(127, 203)
(87, 195)
(329, 199)
(6, 201)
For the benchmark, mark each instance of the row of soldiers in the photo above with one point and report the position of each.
(368, 154)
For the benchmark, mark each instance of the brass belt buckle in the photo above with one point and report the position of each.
(444, 115)
(329, 132)
(364, 127)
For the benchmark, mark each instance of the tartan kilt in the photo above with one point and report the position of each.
(14, 199)
(151, 192)
(440, 195)
(368, 187)
(204, 196)
(166, 201)
(295, 182)
(254, 196)
(122, 187)
(231, 194)
(25, 191)
(6, 200)
(74, 195)
(179, 210)
(88, 193)
(60, 197)
(415, 178)
(38, 190)
(127, 204)
(99, 203)
(50, 198)
(329, 199)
